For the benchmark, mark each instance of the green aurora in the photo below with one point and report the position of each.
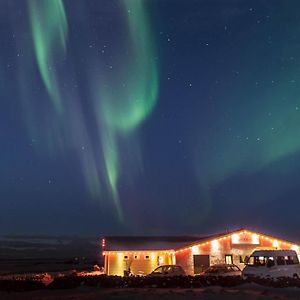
(125, 102)
(49, 31)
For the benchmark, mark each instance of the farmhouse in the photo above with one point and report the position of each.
(143, 254)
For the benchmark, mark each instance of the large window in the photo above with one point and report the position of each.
(258, 261)
(291, 260)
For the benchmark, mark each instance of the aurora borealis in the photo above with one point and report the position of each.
(149, 116)
(122, 100)
(49, 32)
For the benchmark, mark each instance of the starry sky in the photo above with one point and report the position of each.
(149, 116)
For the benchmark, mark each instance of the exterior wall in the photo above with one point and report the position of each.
(238, 245)
(185, 260)
(117, 262)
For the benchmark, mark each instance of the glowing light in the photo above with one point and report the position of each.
(215, 245)
(255, 239)
(275, 244)
(195, 250)
(49, 31)
(235, 238)
(295, 248)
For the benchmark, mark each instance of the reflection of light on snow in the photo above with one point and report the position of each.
(195, 250)
(275, 244)
(235, 238)
(295, 248)
(215, 245)
(255, 239)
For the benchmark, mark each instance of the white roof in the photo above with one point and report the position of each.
(274, 253)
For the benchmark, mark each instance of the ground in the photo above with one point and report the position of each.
(244, 292)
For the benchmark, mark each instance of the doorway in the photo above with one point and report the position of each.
(201, 263)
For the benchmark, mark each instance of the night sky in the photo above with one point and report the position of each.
(149, 116)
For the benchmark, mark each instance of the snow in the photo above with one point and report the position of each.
(244, 292)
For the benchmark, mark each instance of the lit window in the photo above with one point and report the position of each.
(228, 259)
(244, 259)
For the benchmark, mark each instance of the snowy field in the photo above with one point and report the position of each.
(243, 292)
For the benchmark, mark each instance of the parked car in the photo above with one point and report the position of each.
(222, 270)
(272, 264)
(168, 270)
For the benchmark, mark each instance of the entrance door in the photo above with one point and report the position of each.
(201, 262)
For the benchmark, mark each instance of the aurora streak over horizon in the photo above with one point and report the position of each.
(125, 100)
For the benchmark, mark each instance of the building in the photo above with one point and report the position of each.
(143, 254)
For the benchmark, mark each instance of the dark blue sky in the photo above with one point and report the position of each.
(149, 117)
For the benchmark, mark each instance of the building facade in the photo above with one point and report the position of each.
(142, 255)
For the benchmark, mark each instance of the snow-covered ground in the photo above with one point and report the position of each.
(243, 292)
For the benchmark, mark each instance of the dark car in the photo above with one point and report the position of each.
(168, 270)
(222, 270)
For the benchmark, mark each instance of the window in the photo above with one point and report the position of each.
(257, 261)
(212, 270)
(244, 259)
(280, 260)
(235, 269)
(136, 257)
(291, 260)
(228, 259)
(158, 270)
(147, 257)
(270, 262)
(125, 257)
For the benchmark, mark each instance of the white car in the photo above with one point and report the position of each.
(272, 264)
(222, 270)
